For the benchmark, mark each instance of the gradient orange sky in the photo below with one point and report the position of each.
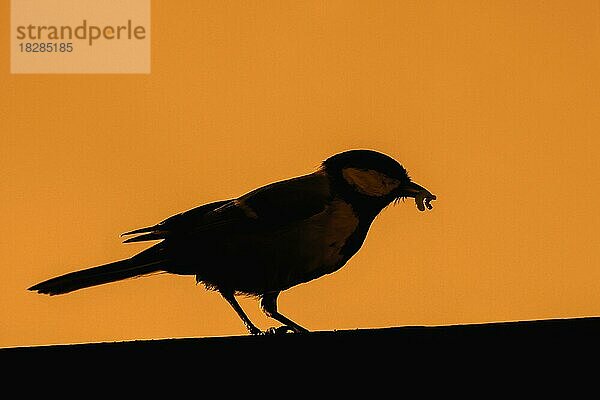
(494, 106)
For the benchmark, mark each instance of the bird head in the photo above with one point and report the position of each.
(371, 177)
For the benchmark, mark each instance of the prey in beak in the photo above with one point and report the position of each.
(422, 196)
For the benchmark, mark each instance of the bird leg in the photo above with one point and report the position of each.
(252, 329)
(268, 303)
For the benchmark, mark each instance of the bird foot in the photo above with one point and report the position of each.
(280, 330)
(254, 330)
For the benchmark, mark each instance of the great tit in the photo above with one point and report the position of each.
(268, 240)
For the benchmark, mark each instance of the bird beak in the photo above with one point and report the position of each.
(421, 195)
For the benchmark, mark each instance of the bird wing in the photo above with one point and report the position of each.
(268, 207)
(177, 223)
(287, 201)
(271, 206)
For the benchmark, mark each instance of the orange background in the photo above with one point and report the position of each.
(494, 106)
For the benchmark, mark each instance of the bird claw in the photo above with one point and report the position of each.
(255, 331)
(279, 330)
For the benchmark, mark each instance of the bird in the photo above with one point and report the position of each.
(268, 240)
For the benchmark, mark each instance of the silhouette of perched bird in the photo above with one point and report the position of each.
(270, 239)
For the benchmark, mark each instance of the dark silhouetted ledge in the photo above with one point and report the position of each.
(546, 336)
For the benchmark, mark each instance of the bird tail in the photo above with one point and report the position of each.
(115, 271)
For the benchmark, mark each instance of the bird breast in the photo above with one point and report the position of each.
(318, 244)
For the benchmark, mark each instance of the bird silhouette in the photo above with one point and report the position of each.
(268, 240)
